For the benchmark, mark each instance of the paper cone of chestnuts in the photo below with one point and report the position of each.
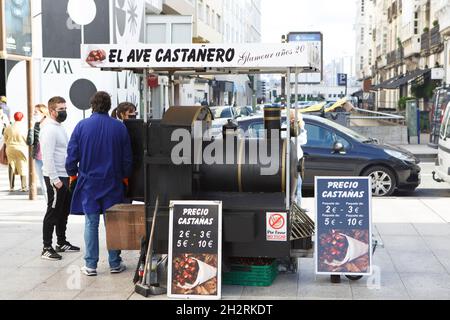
(355, 249)
(205, 273)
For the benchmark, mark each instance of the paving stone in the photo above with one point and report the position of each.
(50, 295)
(396, 229)
(416, 262)
(427, 286)
(341, 291)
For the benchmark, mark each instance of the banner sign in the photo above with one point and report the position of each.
(343, 243)
(342, 79)
(18, 27)
(195, 250)
(314, 39)
(301, 54)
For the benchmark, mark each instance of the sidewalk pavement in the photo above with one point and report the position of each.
(414, 262)
(422, 151)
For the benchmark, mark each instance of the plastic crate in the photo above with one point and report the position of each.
(250, 275)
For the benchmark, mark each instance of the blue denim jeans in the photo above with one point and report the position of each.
(299, 191)
(38, 165)
(92, 247)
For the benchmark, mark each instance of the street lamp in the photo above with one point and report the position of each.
(82, 12)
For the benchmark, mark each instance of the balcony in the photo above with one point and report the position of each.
(431, 40)
(425, 42)
(395, 56)
(435, 37)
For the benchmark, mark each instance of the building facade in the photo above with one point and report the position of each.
(399, 42)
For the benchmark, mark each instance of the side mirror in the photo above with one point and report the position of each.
(339, 148)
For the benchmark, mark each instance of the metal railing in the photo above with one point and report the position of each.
(377, 115)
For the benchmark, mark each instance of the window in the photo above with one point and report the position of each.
(219, 23)
(213, 19)
(200, 10)
(362, 35)
(320, 137)
(256, 130)
(344, 142)
(208, 15)
(370, 57)
(445, 128)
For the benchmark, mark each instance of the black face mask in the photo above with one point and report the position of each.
(62, 116)
(132, 116)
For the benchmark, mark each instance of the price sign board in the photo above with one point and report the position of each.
(195, 250)
(343, 243)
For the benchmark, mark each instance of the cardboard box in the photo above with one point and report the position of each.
(125, 227)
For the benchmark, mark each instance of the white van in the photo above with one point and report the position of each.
(442, 173)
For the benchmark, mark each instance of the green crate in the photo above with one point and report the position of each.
(248, 275)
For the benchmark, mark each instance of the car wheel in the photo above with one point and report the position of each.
(383, 181)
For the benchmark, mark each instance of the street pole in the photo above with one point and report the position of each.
(32, 169)
(288, 143)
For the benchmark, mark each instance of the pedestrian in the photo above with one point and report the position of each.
(16, 151)
(53, 141)
(39, 116)
(5, 107)
(99, 158)
(302, 139)
(4, 120)
(124, 111)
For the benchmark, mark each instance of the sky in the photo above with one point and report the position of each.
(334, 18)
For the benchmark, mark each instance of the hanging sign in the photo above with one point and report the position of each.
(200, 56)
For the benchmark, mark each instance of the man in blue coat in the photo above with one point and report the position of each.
(99, 160)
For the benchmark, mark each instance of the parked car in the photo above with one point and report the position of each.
(335, 150)
(245, 111)
(442, 173)
(221, 116)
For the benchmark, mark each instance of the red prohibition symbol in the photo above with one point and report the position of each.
(276, 221)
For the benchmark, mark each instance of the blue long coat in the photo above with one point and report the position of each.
(99, 152)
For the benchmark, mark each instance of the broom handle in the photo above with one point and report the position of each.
(148, 265)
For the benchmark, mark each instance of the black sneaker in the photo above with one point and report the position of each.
(50, 254)
(67, 247)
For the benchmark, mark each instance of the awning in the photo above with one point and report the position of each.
(398, 81)
(404, 79)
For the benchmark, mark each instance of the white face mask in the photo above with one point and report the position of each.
(37, 117)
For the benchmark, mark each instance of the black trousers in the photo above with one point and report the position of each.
(58, 208)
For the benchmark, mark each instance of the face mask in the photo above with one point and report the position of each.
(62, 116)
(37, 117)
(132, 116)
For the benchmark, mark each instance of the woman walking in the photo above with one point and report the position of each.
(39, 116)
(16, 151)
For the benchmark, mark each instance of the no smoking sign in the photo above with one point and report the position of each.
(276, 229)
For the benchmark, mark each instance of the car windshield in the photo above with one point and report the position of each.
(221, 112)
(349, 132)
(445, 128)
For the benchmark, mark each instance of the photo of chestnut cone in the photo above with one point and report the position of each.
(185, 270)
(344, 251)
(194, 274)
(96, 57)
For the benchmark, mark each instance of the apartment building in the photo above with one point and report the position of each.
(399, 42)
